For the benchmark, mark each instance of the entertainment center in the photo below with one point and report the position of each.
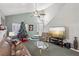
(56, 41)
(57, 35)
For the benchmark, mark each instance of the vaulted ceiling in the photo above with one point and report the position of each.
(17, 8)
(51, 9)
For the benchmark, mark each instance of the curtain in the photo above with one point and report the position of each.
(16, 27)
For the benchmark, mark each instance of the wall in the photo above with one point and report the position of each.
(52, 11)
(68, 17)
(2, 18)
(28, 18)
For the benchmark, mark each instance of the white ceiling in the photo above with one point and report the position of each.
(16, 8)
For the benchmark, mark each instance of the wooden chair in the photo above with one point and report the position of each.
(45, 37)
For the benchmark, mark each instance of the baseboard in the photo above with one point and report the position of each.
(77, 50)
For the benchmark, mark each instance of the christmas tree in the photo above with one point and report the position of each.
(22, 31)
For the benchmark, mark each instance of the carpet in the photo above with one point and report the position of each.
(53, 50)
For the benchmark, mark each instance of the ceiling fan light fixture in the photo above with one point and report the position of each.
(36, 13)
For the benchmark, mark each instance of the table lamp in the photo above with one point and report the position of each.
(11, 34)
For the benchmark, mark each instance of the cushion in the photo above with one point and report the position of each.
(13, 53)
(18, 53)
(19, 49)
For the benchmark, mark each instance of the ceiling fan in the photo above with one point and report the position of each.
(38, 13)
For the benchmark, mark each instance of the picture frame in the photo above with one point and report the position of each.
(30, 27)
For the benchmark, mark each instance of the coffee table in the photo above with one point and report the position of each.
(42, 46)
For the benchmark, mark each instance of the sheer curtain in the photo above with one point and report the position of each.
(40, 26)
(16, 27)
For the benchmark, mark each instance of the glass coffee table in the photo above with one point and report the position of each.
(42, 46)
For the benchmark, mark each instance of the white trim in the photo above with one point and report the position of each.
(77, 50)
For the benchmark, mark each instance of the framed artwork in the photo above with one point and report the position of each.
(30, 27)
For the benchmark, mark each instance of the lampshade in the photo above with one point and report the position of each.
(11, 34)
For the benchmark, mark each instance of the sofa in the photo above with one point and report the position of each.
(6, 49)
(18, 49)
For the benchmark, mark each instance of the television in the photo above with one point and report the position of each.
(57, 32)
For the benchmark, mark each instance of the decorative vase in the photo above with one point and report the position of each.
(75, 43)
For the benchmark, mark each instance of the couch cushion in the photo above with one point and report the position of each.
(5, 49)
